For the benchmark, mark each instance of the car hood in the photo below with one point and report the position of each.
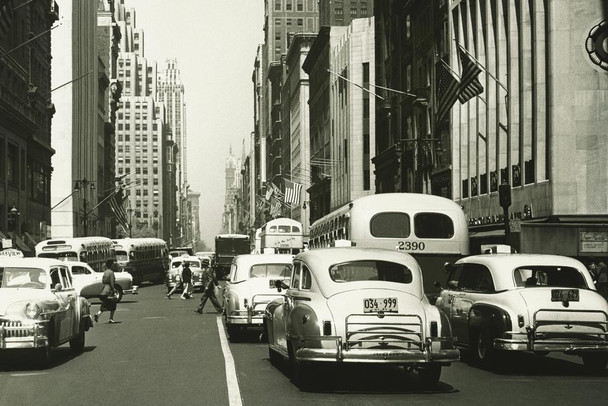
(12, 295)
(351, 303)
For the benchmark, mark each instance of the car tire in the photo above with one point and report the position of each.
(118, 293)
(77, 343)
(234, 333)
(429, 376)
(273, 356)
(43, 357)
(300, 371)
(595, 363)
(483, 346)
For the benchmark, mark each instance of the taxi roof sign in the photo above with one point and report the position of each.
(11, 252)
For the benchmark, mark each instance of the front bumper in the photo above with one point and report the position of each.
(14, 335)
(436, 350)
(133, 291)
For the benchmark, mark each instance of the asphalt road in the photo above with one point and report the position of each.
(163, 354)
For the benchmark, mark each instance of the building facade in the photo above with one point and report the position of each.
(26, 111)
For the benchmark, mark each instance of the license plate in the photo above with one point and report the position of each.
(380, 304)
(564, 295)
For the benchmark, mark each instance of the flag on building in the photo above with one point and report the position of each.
(277, 192)
(446, 90)
(6, 16)
(275, 208)
(470, 86)
(269, 191)
(119, 212)
(293, 191)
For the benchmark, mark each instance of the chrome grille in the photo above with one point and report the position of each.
(14, 328)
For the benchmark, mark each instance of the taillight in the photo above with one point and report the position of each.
(520, 320)
(326, 328)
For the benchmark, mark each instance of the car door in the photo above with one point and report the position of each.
(472, 286)
(301, 319)
(67, 295)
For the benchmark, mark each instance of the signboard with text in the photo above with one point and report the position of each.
(593, 241)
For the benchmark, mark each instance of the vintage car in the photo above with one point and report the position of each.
(174, 274)
(88, 284)
(358, 305)
(524, 302)
(250, 287)
(39, 307)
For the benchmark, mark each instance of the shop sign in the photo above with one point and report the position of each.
(11, 252)
(593, 241)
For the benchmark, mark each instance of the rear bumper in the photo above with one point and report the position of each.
(567, 346)
(436, 351)
(244, 318)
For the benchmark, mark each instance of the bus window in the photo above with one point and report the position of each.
(284, 229)
(390, 225)
(433, 225)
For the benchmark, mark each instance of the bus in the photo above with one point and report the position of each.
(92, 250)
(146, 259)
(281, 236)
(228, 246)
(431, 228)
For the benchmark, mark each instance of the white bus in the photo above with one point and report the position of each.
(431, 228)
(281, 236)
(146, 259)
(92, 250)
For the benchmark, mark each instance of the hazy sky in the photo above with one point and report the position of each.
(215, 43)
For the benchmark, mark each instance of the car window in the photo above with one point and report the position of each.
(295, 276)
(79, 270)
(306, 278)
(370, 271)
(176, 264)
(55, 277)
(270, 271)
(453, 277)
(16, 277)
(469, 278)
(554, 276)
(66, 278)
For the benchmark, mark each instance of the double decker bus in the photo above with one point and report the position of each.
(228, 246)
(281, 236)
(431, 228)
(146, 259)
(92, 250)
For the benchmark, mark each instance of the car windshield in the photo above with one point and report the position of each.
(370, 271)
(270, 271)
(22, 277)
(122, 256)
(554, 276)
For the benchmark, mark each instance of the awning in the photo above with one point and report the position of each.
(22, 245)
(487, 233)
(32, 240)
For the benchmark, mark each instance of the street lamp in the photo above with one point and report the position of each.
(84, 184)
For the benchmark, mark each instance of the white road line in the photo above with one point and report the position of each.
(29, 374)
(234, 393)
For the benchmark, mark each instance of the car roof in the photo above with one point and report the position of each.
(502, 265)
(30, 262)
(319, 261)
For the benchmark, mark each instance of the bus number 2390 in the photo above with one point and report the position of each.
(410, 246)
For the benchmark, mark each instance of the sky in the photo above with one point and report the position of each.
(215, 43)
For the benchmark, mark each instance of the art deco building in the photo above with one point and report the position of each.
(26, 111)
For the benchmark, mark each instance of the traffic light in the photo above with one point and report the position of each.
(504, 195)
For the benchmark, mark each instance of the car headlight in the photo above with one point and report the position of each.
(32, 310)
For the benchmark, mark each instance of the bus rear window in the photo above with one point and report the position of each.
(390, 225)
(433, 225)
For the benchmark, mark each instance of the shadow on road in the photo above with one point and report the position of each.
(26, 360)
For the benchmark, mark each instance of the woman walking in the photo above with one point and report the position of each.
(108, 300)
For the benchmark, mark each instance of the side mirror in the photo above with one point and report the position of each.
(280, 285)
(58, 287)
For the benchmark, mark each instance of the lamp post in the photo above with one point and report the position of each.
(85, 185)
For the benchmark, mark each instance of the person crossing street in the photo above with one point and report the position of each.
(209, 282)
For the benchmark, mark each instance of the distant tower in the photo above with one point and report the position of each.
(233, 182)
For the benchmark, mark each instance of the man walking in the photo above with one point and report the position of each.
(209, 282)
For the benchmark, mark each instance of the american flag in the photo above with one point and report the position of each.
(119, 212)
(293, 191)
(6, 16)
(470, 86)
(446, 90)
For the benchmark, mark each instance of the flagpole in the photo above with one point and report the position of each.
(480, 65)
(28, 41)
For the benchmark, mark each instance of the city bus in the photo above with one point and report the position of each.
(92, 250)
(281, 236)
(431, 228)
(228, 246)
(146, 259)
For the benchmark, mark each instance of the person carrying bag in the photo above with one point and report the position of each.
(108, 293)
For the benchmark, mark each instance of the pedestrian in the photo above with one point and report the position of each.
(186, 280)
(601, 279)
(179, 281)
(209, 282)
(107, 295)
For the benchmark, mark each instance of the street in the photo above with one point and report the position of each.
(162, 353)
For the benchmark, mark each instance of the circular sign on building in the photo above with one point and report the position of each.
(596, 45)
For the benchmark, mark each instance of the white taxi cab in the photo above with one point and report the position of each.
(39, 307)
(250, 287)
(524, 302)
(358, 305)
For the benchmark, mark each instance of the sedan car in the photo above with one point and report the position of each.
(174, 275)
(358, 305)
(39, 307)
(87, 281)
(251, 286)
(523, 302)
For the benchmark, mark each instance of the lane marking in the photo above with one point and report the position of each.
(29, 374)
(234, 393)
(154, 317)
